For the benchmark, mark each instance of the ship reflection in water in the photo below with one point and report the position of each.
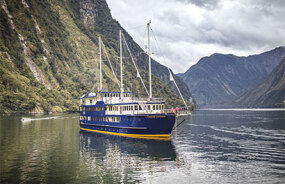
(122, 159)
(102, 143)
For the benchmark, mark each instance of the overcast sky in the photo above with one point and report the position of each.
(187, 30)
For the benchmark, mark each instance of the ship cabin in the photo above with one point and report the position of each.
(117, 103)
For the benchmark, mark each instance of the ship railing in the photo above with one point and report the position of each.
(130, 100)
(169, 111)
(178, 111)
(147, 99)
(135, 112)
(112, 100)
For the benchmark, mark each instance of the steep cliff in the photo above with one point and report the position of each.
(49, 55)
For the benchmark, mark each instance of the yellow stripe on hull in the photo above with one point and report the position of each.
(140, 136)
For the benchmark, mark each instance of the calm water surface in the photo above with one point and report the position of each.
(209, 147)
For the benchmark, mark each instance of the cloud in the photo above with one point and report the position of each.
(187, 30)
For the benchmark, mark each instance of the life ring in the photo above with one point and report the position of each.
(110, 98)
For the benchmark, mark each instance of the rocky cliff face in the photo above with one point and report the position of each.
(88, 11)
(270, 93)
(217, 80)
(49, 55)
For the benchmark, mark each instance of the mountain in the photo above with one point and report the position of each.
(49, 56)
(217, 80)
(270, 93)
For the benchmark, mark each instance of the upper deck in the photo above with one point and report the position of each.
(117, 98)
(114, 104)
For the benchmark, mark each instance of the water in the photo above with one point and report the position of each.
(245, 146)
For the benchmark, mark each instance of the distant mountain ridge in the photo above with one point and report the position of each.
(217, 80)
(270, 93)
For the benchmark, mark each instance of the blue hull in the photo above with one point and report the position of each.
(140, 126)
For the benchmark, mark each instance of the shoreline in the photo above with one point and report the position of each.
(38, 113)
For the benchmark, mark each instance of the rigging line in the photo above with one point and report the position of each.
(179, 124)
(134, 63)
(110, 63)
(170, 74)
(177, 88)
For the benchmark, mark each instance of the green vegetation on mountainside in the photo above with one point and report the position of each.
(68, 58)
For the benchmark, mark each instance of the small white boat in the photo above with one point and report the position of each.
(24, 119)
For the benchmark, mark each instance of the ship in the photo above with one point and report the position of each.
(121, 113)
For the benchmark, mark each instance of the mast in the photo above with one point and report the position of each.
(149, 59)
(100, 64)
(121, 61)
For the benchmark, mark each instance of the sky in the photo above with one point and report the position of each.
(187, 30)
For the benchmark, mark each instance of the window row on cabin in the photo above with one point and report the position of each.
(108, 119)
(113, 119)
(116, 95)
(136, 107)
(96, 118)
(94, 108)
(125, 108)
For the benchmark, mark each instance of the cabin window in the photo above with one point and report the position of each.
(153, 107)
(136, 107)
(148, 107)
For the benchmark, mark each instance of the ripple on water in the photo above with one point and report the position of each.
(209, 147)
